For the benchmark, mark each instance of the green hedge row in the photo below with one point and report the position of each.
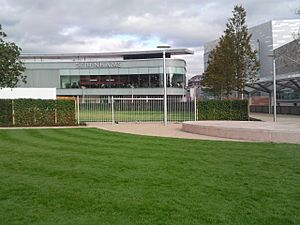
(223, 110)
(5, 112)
(37, 112)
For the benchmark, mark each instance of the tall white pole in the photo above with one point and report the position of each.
(78, 110)
(183, 85)
(195, 107)
(132, 93)
(112, 110)
(274, 89)
(164, 47)
(165, 88)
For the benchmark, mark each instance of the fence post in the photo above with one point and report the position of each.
(195, 107)
(34, 115)
(78, 117)
(248, 110)
(112, 110)
(55, 115)
(13, 112)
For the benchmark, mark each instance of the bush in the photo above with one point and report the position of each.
(5, 112)
(32, 112)
(223, 110)
(65, 112)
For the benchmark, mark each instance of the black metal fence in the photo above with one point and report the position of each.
(292, 110)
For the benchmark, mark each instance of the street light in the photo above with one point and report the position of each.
(274, 56)
(274, 88)
(164, 48)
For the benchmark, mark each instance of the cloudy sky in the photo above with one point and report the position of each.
(57, 26)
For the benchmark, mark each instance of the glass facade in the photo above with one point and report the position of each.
(107, 76)
(122, 81)
(288, 95)
(70, 81)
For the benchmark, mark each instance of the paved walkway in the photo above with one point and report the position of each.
(175, 129)
(281, 119)
(154, 129)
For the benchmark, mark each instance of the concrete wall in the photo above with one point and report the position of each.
(29, 93)
(120, 91)
(42, 78)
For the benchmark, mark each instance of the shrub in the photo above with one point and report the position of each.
(223, 110)
(37, 112)
(5, 112)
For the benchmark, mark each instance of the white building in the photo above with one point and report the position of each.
(138, 73)
(273, 37)
(265, 39)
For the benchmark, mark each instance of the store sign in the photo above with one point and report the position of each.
(90, 65)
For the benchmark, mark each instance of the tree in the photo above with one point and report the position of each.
(218, 77)
(11, 67)
(232, 63)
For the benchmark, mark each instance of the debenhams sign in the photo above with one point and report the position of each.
(90, 65)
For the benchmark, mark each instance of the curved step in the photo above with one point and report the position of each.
(245, 130)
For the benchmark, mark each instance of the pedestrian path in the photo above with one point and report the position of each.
(173, 130)
(281, 119)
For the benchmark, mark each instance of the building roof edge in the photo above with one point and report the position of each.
(179, 51)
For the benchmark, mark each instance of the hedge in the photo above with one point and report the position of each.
(37, 112)
(5, 112)
(223, 110)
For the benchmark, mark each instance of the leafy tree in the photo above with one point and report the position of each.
(218, 77)
(232, 63)
(11, 67)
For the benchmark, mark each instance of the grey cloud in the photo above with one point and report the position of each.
(78, 25)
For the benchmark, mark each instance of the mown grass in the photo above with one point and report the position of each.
(89, 176)
(133, 116)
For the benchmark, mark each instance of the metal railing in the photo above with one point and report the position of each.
(134, 109)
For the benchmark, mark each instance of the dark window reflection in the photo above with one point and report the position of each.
(121, 81)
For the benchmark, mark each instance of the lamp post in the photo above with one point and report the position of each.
(274, 56)
(164, 48)
(274, 88)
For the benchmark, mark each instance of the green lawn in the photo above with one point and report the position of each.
(87, 176)
(133, 116)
